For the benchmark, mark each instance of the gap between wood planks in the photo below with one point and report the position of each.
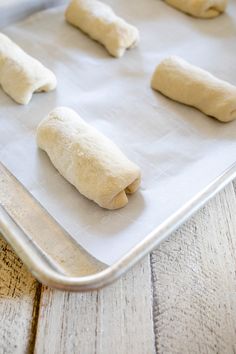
(19, 304)
(194, 282)
(180, 299)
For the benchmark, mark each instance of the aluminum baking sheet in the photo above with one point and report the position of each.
(180, 150)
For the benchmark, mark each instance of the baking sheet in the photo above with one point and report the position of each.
(179, 149)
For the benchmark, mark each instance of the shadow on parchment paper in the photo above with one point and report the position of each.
(53, 38)
(70, 37)
(195, 121)
(223, 26)
(136, 13)
(29, 116)
(87, 213)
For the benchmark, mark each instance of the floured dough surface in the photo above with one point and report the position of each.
(20, 74)
(100, 22)
(87, 159)
(188, 84)
(200, 8)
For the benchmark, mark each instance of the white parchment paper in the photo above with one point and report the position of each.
(179, 149)
(15, 10)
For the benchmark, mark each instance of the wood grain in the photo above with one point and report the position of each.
(19, 294)
(117, 319)
(194, 282)
(180, 299)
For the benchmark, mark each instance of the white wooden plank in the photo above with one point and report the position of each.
(194, 278)
(19, 296)
(117, 319)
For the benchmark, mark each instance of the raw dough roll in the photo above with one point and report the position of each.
(200, 8)
(20, 74)
(195, 87)
(87, 159)
(100, 22)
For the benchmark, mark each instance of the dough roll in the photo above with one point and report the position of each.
(200, 8)
(188, 84)
(87, 159)
(100, 22)
(20, 74)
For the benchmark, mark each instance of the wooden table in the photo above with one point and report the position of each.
(180, 299)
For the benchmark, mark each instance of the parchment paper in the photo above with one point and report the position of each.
(179, 149)
(15, 10)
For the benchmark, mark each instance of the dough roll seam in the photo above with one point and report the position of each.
(87, 159)
(200, 8)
